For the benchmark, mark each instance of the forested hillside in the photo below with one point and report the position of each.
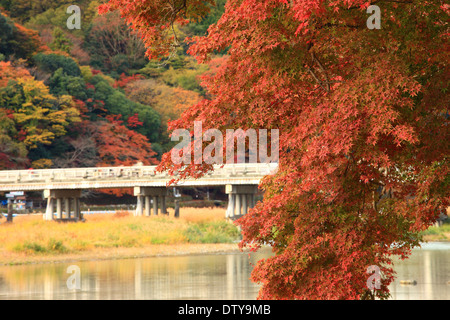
(88, 97)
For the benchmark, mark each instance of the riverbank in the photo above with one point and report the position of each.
(29, 239)
(160, 250)
(435, 233)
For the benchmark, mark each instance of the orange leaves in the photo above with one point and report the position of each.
(10, 72)
(154, 20)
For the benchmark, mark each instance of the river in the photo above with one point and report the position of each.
(214, 276)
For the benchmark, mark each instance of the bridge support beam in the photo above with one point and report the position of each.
(240, 199)
(147, 206)
(163, 205)
(155, 205)
(67, 207)
(68, 198)
(58, 208)
(144, 194)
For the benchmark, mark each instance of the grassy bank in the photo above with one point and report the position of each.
(441, 233)
(30, 239)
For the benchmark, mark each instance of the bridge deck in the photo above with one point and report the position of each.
(127, 177)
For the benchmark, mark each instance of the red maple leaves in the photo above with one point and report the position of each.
(363, 120)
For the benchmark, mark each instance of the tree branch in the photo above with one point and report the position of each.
(327, 81)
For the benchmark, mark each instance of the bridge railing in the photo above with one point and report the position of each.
(133, 172)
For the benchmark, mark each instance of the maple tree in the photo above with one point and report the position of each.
(363, 120)
(118, 145)
(124, 80)
(155, 20)
(9, 72)
(115, 145)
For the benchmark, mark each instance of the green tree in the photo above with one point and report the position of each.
(52, 62)
(62, 84)
(13, 153)
(24, 10)
(7, 30)
(200, 28)
(60, 41)
(53, 17)
(116, 102)
(17, 41)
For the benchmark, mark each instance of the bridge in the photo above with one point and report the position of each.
(62, 187)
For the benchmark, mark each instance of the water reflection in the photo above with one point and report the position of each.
(429, 267)
(221, 277)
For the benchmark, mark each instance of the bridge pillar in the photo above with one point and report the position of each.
(62, 197)
(147, 206)
(77, 207)
(49, 210)
(58, 208)
(67, 207)
(139, 206)
(238, 205)
(163, 205)
(240, 199)
(155, 205)
(147, 193)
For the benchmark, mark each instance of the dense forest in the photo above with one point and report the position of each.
(89, 96)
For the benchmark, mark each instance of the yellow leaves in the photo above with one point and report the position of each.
(42, 164)
(86, 73)
(168, 101)
(34, 90)
(59, 130)
(72, 114)
(38, 136)
(171, 102)
(42, 116)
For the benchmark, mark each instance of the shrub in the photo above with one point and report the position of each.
(52, 62)
(212, 232)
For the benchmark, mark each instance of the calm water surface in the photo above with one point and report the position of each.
(219, 277)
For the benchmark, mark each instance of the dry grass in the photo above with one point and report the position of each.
(31, 236)
(201, 215)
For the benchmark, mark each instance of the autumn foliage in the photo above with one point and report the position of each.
(363, 119)
(9, 72)
(121, 146)
(54, 113)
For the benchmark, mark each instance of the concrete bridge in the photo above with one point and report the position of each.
(62, 187)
